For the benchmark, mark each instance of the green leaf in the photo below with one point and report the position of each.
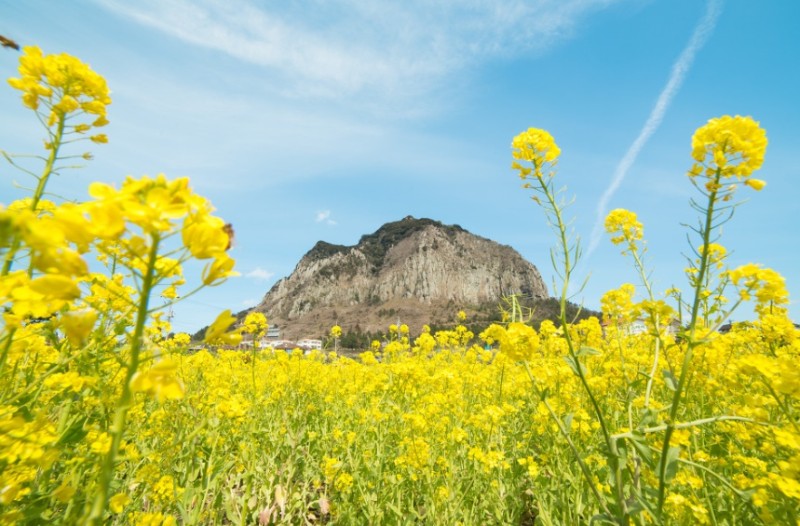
(672, 463)
(648, 417)
(602, 518)
(568, 422)
(576, 365)
(635, 385)
(194, 474)
(670, 380)
(639, 441)
(74, 431)
(641, 503)
(588, 351)
(622, 451)
(398, 512)
(231, 514)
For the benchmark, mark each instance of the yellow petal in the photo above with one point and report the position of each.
(755, 184)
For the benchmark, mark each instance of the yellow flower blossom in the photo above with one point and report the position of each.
(69, 381)
(765, 284)
(77, 325)
(617, 305)
(716, 254)
(118, 502)
(160, 380)
(99, 442)
(733, 145)
(535, 145)
(152, 519)
(625, 225)
(64, 493)
(755, 184)
(62, 82)
(518, 341)
(216, 332)
(435, 425)
(220, 269)
(204, 235)
(255, 323)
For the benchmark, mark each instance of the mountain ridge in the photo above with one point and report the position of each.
(415, 271)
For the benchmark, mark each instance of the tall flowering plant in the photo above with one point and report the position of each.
(643, 456)
(71, 331)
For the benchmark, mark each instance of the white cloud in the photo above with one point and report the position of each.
(325, 216)
(353, 72)
(386, 48)
(260, 274)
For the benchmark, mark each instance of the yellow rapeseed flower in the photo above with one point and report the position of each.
(755, 184)
(216, 332)
(63, 493)
(160, 380)
(64, 85)
(536, 146)
(716, 254)
(733, 145)
(77, 325)
(99, 442)
(220, 269)
(118, 502)
(625, 225)
(255, 323)
(617, 304)
(204, 235)
(517, 341)
(56, 286)
(768, 286)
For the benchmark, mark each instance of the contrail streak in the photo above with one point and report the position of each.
(701, 34)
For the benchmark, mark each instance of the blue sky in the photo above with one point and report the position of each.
(311, 120)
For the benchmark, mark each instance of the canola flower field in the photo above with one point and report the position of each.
(106, 418)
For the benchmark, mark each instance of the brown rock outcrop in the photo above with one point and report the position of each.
(414, 271)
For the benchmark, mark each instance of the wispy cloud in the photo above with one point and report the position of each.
(260, 274)
(362, 46)
(699, 37)
(325, 216)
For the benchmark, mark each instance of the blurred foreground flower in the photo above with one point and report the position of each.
(160, 381)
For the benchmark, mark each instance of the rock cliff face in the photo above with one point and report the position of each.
(414, 271)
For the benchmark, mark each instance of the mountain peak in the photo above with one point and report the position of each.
(418, 269)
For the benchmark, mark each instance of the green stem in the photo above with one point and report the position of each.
(38, 193)
(725, 482)
(687, 425)
(500, 391)
(568, 262)
(126, 398)
(691, 342)
(654, 318)
(562, 230)
(253, 367)
(565, 433)
(245, 501)
(17, 242)
(7, 341)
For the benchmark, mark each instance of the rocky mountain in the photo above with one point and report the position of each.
(414, 271)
